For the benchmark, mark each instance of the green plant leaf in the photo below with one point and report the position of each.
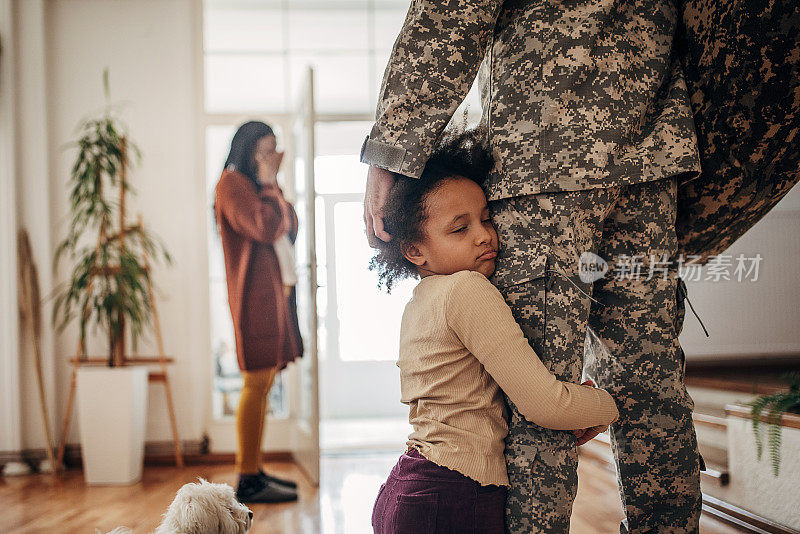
(109, 286)
(106, 86)
(776, 404)
(757, 407)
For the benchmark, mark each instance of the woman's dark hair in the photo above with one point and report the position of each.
(240, 157)
(456, 154)
(243, 145)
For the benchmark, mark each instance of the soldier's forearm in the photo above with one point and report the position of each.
(432, 66)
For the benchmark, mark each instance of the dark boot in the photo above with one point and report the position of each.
(276, 480)
(254, 489)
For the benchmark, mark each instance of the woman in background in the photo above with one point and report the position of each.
(256, 225)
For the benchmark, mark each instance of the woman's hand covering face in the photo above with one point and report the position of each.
(268, 160)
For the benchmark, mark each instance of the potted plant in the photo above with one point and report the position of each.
(109, 289)
(769, 492)
(775, 405)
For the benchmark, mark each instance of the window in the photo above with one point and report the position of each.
(255, 52)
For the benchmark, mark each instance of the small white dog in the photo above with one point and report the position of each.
(204, 508)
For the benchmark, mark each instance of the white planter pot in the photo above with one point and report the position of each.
(112, 410)
(753, 485)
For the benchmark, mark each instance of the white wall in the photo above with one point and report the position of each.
(148, 45)
(34, 206)
(753, 318)
(10, 409)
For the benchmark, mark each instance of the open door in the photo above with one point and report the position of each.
(305, 416)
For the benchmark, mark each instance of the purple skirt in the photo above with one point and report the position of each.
(421, 497)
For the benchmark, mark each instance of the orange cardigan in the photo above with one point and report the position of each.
(250, 221)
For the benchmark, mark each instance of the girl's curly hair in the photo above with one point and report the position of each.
(457, 153)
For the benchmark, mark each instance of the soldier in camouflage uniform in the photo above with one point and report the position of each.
(591, 125)
(633, 310)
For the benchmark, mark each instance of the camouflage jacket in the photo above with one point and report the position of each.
(574, 96)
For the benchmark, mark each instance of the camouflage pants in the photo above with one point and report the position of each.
(542, 237)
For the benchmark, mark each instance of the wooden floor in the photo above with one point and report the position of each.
(342, 504)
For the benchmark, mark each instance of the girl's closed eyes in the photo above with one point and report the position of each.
(440, 223)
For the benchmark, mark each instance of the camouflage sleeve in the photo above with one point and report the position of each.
(432, 66)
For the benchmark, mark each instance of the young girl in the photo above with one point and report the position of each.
(459, 345)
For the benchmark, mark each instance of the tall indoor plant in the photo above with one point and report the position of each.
(109, 284)
(110, 288)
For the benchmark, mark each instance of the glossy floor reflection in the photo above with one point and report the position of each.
(342, 504)
(350, 482)
(349, 485)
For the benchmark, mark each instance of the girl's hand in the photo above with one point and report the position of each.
(585, 435)
(588, 434)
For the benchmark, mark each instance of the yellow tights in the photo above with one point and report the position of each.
(251, 417)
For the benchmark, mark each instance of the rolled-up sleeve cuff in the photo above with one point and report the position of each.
(388, 157)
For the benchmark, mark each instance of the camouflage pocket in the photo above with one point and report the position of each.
(524, 245)
(518, 268)
(520, 460)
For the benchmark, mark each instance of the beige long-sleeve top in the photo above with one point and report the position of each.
(459, 344)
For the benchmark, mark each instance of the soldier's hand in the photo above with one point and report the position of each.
(379, 182)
